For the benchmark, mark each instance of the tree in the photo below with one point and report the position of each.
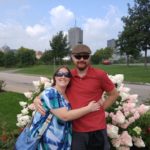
(126, 44)
(9, 59)
(59, 47)
(141, 15)
(47, 57)
(25, 57)
(95, 59)
(101, 54)
(1, 58)
(107, 53)
(136, 34)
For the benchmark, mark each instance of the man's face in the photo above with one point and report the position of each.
(81, 60)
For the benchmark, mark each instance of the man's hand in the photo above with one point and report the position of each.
(38, 105)
(93, 106)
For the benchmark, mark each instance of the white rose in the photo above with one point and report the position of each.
(36, 84)
(44, 80)
(47, 85)
(24, 111)
(28, 95)
(112, 131)
(23, 104)
(138, 142)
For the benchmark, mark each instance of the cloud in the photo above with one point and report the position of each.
(60, 17)
(35, 30)
(37, 36)
(98, 30)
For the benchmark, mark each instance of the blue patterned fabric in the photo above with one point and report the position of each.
(58, 134)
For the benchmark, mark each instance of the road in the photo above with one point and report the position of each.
(18, 82)
(23, 83)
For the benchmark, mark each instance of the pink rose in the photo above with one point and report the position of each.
(143, 109)
(126, 139)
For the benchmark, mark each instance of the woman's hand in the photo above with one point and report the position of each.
(38, 105)
(93, 106)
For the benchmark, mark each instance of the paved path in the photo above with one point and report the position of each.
(18, 82)
(23, 83)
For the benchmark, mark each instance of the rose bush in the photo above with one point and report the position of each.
(28, 107)
(126, 125)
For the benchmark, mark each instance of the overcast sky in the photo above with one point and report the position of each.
(32, 23)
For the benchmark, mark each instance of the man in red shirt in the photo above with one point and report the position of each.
(87, 84)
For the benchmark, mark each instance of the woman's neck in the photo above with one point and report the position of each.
(61, 90)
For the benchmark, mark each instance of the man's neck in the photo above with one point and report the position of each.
(82, 73)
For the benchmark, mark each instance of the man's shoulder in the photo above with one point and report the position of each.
(73, 71)
(97, 71)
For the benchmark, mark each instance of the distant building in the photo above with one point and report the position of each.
(38, 54)
(75, 36)
(112, 44)
(5, 48)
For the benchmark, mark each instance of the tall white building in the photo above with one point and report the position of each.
(75, 36)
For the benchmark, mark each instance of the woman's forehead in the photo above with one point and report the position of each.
(63, 69)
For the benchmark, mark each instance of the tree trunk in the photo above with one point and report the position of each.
(127, 60)
(145, 61)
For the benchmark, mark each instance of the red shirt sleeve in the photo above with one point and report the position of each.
(107, 84)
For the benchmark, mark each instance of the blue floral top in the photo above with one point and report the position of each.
(58, 134)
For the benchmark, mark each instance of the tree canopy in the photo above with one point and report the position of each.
(59, 47)
(135, 36)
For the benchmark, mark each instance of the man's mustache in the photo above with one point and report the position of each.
(81, 62)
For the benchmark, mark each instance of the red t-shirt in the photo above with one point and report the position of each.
(82, 91)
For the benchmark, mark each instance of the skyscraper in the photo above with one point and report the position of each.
(75, 36)
(111, 43)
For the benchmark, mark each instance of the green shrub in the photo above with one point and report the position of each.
(8, 138)
(144, 123)
(2, 85)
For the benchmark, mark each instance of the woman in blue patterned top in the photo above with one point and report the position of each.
(58, 134)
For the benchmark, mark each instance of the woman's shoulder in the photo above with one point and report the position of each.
(51, 91)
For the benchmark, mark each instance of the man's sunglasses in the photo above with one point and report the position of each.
(86, 56)
(65, 74)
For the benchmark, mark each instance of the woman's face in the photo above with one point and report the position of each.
(62, 77)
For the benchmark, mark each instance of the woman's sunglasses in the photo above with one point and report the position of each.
(85, 56)
(65, 74)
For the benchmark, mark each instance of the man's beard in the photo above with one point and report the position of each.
(82, 68)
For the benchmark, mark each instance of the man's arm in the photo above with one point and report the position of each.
(38, 106)
(112, 97)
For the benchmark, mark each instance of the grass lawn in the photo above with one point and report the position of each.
(2, 68)
(9, 108)
(131, 73)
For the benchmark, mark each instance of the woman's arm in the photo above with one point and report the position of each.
(67, 115)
